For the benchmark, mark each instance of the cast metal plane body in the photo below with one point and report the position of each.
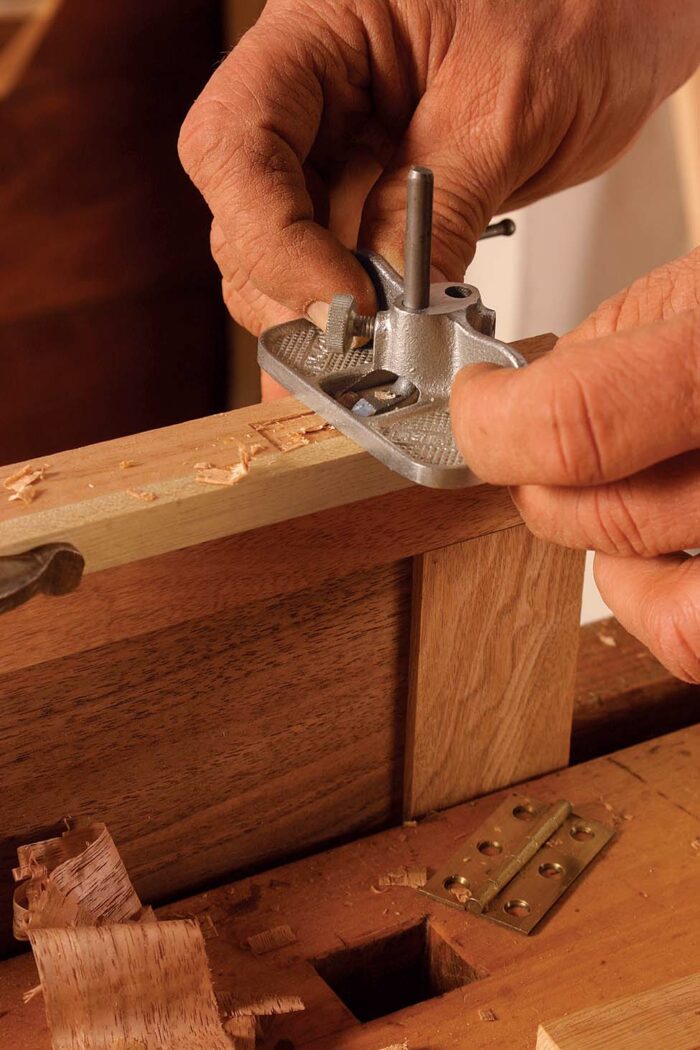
(391, 395)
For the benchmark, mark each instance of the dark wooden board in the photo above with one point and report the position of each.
(222, 743)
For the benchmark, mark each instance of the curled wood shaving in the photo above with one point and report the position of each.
(94, 943)
(75, 880)
(269, 940)
(126, 463)
(146, 496)
(151, 982)
(21, 481)
(411, 875)
(488, 1015)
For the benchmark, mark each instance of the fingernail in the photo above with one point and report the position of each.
(317, 313)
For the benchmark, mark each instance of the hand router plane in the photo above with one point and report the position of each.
(392, 394)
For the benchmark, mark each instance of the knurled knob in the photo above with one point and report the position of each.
(344, 324)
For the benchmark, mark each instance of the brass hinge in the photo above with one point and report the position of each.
(519, 862)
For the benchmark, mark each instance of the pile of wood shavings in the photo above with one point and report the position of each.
(20, 483)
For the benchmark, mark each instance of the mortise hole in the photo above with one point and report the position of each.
(458, 291)
(551, 870)
(524, 812)
(518, 908)
(389, 974)
(582, 832)
(489, 848)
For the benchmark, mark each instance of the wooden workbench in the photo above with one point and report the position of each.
(629, 924)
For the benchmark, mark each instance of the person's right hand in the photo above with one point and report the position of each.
(600, 443)
(307, 129)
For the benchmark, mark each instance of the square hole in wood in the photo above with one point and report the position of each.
(395, 971)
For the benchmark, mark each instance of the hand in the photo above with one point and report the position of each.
(600, 440)
(301, 140)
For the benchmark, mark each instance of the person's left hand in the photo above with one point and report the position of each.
(600, 441)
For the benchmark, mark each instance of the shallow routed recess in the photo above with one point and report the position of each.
(385, 975)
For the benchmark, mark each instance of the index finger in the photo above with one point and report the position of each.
(587, 413)
(243, 144)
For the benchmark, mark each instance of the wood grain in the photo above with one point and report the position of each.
(262, 731)
(666, 1016)
(493, 658)
(85, 499)
(134, 599)
(619, 927)
(623, 694)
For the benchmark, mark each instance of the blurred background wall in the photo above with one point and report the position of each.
(110, 314)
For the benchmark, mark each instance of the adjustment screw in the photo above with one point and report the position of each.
(344, 324)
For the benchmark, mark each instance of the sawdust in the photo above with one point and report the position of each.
(607, 639)
(20, 483)
(142, 494)
(407, 875)
(488, 1015)
(397, 1046)
(270, 940)
(126, 463)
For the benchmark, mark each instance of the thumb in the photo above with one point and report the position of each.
(466, 194)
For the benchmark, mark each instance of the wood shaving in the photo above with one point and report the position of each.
(695, 844)
(151, 982)
(126, 463)
(607, 639)
(19, 483)
(31, 994)
(397, 1046)
(242, 1032)
(410, 824)
(488, 1015)
(74, 880)
(413, 876)
(142, 494)
(265, 1006)
(94, 942)
(270, 940)
(206, 474)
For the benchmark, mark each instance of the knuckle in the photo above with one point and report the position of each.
(614, 523)
(577, 433)
(539, 511)
(204, 143)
